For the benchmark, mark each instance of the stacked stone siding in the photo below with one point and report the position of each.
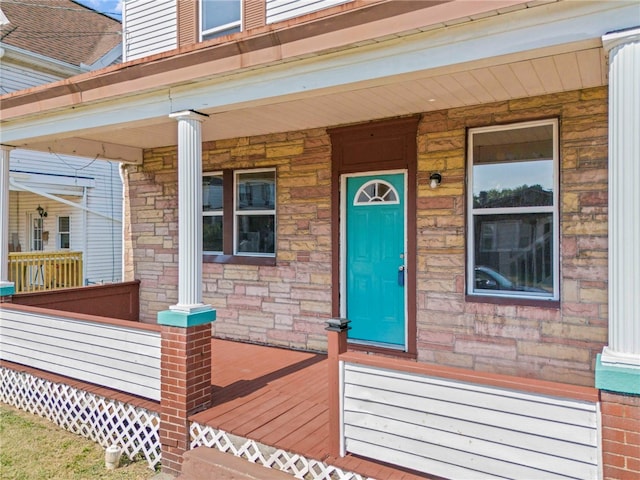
(558, 344)
(287, 304)
(284, 305)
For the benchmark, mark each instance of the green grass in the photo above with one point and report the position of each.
(32, 448)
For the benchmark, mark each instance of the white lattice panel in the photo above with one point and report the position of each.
(105, 421)
(296, 465)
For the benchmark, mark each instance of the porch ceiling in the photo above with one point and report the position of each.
(493, 59)
(425, 91)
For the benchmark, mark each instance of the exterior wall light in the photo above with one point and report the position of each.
(436, 179)
(41, 211)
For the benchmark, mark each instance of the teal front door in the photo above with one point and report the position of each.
(375, 259)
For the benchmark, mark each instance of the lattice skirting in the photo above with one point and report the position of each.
(105, 421)
(256, 452)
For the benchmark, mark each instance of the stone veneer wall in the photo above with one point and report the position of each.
(544, 343)
(287, 305)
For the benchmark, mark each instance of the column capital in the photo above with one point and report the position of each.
(614, 39)
(188, 114)
(6, 148)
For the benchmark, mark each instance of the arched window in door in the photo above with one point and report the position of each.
(376, 191)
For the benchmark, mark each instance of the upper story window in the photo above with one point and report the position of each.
(513, 210)
(219, 17)
(239, 214)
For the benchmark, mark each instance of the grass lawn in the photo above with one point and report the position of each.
(31, 447)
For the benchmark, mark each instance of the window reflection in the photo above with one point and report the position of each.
(513, 210)
(256, 191)
(516, 251)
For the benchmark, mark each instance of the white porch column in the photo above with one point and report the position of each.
(6, 287)
(619, 369)
(189, 310)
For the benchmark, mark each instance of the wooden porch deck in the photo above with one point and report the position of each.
(279, 397)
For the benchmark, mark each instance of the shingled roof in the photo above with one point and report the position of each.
(60, 29)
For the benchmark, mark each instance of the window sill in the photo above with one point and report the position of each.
(527, 302)
(240, 260)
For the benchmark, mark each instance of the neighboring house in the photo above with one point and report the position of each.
(458, 179)
(81, 198)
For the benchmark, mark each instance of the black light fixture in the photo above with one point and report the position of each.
(435, 179)
(41, 211)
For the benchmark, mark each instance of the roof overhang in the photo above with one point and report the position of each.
(283, 81)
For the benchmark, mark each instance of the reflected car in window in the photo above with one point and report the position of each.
(488, 279)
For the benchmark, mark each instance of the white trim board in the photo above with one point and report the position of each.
(492, 40)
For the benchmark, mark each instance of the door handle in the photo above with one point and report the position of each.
(401, 275)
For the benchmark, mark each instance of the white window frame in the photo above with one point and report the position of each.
(238, 213)
(215, 213)
(473, 212)
(60, 232)
(220, 28)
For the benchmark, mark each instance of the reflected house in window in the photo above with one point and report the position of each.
(514, 210)
(255, 212)
(250, 199)
(212, 211)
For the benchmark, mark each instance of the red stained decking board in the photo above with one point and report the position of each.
(279, 397)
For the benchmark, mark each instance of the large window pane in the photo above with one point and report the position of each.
(519, 184)
(513, 167)
(212, 198)
(256, 233)
(514, 253)
(212, 234)
(255, 191)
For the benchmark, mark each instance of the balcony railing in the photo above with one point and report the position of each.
(39, 271)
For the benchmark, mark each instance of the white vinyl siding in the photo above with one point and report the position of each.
(279, 10)
(99, 238)
(17, 77)
(149, 26)
(117, 357)
(463, 430)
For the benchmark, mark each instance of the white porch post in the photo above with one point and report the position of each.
(6, 287)
(618, 368)
(185, 377)
(189, 307)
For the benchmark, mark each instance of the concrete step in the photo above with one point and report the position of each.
(205, 463)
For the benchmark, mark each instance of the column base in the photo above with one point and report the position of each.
(7, 288)
(177, 318)
(618, 379)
